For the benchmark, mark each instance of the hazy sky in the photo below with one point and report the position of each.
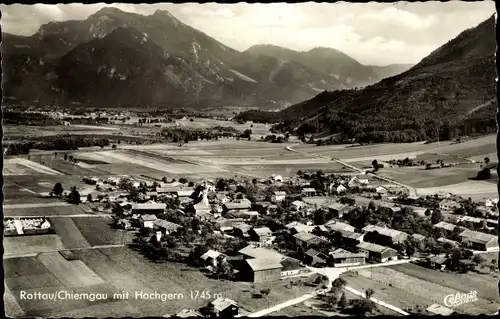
(372, 33)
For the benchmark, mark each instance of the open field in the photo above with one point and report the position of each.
(473, 189)
(72, 273)
(98, 231)
(70, 235)
(22, 166)
(461, 282)
(127, 270)
(419, 177)
(67, 167)
(44, 211)
(406, 291)
(11, 306)
(31, 244)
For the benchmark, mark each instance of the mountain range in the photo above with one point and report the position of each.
(116, 58)
(450, 93)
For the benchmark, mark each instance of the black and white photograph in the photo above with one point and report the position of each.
(250, 159)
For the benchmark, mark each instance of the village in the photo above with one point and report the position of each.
(265, 230)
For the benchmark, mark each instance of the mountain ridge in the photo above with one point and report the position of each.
(27, 61)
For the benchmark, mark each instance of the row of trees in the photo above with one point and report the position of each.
(66, 142)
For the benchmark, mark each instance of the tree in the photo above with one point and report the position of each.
(58, 189)
(436, 216)
(65, 157)
(319, 217)
(300, 173)
(369, 293)
(55, 154)
(375, 165)
(113, 147)
(343, 301)
(74, 196)
(486, 160)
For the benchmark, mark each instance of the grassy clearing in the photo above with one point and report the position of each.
(473, 189)
(12, 307)
(28, 273)
(98, 231)
(127, 270)
(419, 177)
(406, 291)
(72, 273)
(44, 211)
(70, 235)
(67, 167)
(482, 283)
(31, 244)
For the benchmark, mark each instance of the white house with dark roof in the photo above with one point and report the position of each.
(278, 196)
(147, 220)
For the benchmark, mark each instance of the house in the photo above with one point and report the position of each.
(183, 194)
(277, 178)
(348, 259)
(491, 222)
(291, 266)
(188, 313)
(148, 208)
(315, 258)
(439, 310)
(278, 197)
(448, 205)
(222, 198)
(124, 224)
(297, 205)
(387, 235)
(252, 251)
(168, 190)
(334, 225)
(299, 228)
(351, 239)
(225, 308)
(165, 226)
(447, 228)
(308, 191)
(239, 204)
(211, 257)
(241, 230)
(338, 210)
(147, 221)
(491, 202)
(376, 252)
(341, 189)
(470, 219)
(437, 262)
(390, 206)
(247, 215)
(151, 195)
(260, 270)
(381, 190)
(306, 240)
(293, 224)
(418, 237)
(202, 208)
(261, 234)
(479, 241)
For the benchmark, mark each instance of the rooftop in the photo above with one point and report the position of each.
(335, 225)
(264, 263)
(261, 253)
(166, 224)
(148, 206)
(383, 230)
(148, 217)
(445, 225)
(221, 304)
(440, 310)
(304, 236)
(478, 237)
(372, 247)
(261, 231)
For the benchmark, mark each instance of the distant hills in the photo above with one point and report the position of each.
(116, 58)
(450, 93)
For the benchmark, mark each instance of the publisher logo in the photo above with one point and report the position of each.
(460, 299)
